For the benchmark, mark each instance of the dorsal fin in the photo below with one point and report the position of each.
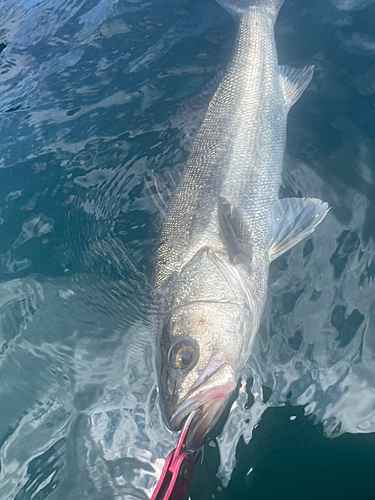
(294, 82)
(193, 110)
(162, 187)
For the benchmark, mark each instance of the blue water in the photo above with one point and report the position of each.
(90, 97)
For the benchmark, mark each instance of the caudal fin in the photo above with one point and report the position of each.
(244, 6)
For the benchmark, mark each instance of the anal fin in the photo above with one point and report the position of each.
(293, 220)
(294, 82)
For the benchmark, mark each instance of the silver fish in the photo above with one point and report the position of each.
(225, 224)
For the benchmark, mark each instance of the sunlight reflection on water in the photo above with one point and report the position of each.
(89, 96)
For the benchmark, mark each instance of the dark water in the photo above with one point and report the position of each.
(90, 91)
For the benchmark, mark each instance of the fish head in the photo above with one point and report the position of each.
(202, 349)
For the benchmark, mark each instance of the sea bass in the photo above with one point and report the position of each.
(225, 224)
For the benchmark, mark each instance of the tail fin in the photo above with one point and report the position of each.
(236, 7)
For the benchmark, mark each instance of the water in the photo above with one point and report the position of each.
(90, 91)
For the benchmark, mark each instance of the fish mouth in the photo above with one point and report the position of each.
(208, 396)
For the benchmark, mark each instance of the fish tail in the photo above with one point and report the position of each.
(238, 7)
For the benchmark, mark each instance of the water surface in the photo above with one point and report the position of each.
(91, 94)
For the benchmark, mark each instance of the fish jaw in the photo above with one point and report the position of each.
(208, 396)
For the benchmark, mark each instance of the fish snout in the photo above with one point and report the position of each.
(208, 396)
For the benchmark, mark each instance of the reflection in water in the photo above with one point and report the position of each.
(89, 96)
(316, 346)
(81, 395)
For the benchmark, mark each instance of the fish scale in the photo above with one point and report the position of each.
(225, 224)
(238, 169)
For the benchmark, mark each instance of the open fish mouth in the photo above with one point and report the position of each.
(209, 395)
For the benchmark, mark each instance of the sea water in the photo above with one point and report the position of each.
(90, 93)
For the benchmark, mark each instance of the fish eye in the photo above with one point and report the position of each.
(183, 355)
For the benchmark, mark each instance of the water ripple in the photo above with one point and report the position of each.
(89, 96)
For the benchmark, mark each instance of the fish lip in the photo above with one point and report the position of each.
(201, 398)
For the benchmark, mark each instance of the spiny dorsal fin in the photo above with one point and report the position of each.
(294, 82)
(162, 187)
(235, 233)
(293, 220)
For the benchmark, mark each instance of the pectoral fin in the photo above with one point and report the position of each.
(235, 233)
(293, 220)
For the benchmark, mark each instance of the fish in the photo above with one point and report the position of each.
(225, 224)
